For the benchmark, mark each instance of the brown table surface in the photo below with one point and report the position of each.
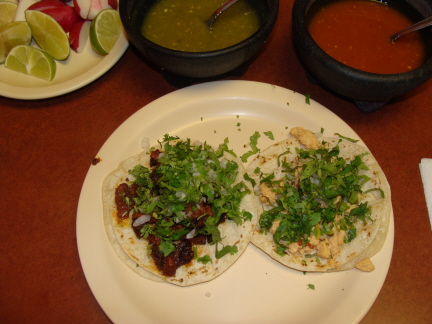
(46, 147)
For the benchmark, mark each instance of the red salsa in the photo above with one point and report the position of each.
(357, 33)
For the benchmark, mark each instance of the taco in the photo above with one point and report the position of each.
(180, 213)
(324, 203)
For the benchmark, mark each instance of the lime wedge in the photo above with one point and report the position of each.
(13, 34)
(48, 34)
(104, 31)
(7, 12)
(32, 61)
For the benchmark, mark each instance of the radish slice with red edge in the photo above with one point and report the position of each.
(109, 4)
(82, 7)
(95, 8)
(47, 4)
(79, 35)
(65, 16)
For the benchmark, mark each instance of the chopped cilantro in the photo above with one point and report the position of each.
(186, 176)
(269, 134)
(253, 145)
(317, 194)
(225, 250)
(346, 138)
(307, 98)
(312, 287)
(205, 259)
(248, 178)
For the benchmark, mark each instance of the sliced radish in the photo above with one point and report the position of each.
(47, 4)
(95, 8)
(82, 7)
(109, 4)
(65, 16)
(79, 35)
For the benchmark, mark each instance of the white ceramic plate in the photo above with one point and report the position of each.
(75, 72)
(256, 289)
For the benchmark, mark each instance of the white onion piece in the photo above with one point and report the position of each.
(141, 220)
(180, 195)
(145, 144)
(190, 234)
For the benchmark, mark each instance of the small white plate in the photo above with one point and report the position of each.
(256, 289)
(75, 72)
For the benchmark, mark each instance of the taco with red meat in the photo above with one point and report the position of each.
(180, 213)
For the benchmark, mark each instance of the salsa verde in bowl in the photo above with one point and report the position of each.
(190, 62)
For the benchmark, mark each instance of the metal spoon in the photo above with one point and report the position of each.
(422, 24)
(209, 22)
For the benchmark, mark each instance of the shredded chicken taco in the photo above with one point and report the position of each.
(180, 213)
(324, 203)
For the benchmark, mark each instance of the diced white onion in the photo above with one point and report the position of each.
(145, 144)
(191, 234)
(141, 220)
(180, 195)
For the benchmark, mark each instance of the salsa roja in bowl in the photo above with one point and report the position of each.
(345, 45)
(160, 31)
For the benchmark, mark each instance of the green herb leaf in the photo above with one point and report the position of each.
(205, 259)
(166, 247)
(253, 145)
(248, 178)
(269, 134)
(346, 138)
(226, 249)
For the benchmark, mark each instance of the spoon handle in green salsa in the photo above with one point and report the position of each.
(218, 11)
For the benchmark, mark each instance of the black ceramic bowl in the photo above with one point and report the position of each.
(369, 91)
(196, 65)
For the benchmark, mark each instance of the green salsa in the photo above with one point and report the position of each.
(180, 24)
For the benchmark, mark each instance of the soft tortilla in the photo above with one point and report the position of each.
(133, 251)
(370, 236)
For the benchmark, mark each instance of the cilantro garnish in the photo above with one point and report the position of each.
(346, 138)
(269, 134)
(248, 178)
(187, 176)
(225, 250)
(307, 98)
(253, 145)
(311, 286)
(205, 259)
(318, 194)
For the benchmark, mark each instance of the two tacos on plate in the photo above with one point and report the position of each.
(184, 212)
